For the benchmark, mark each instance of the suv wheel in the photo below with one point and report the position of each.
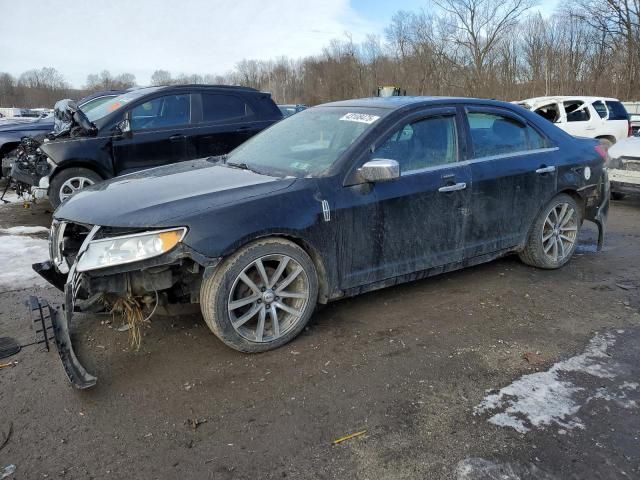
(69, 182)
(554, 235)
(261, 297)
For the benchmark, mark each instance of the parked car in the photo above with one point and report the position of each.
(624, 167)
(634, 121)
(334, 201)
(594, 117)
(288, 110)
(155, 126)
(13, 130)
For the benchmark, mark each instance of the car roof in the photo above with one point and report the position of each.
(200, 86)
(393, 103)
(564, 98)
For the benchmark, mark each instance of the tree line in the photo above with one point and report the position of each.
(486, 48)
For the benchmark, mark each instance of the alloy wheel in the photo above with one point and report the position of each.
(74, 185)
(559, 232)
(268, 298)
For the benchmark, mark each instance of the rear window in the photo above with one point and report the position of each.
(493, 134)
(218, 107)
(617, 111)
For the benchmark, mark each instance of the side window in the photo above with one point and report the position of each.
(162, 112)
(216, 107)
(535, 140)
(494, 134)
(577, 111)
(550, 112)
(422, 144)
(600, 107)
(95, 102)
(617, 111)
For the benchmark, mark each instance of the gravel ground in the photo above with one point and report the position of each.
(420, 367)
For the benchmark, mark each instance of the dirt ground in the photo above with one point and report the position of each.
(408, 364)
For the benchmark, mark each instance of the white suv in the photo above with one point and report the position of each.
(595, 117)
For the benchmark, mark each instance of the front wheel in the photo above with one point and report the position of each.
(69, 182)
(554, 235)
(261, 297)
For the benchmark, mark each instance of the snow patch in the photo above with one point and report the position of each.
(17, 253)
(24, 230)
(545, 398)
(10, 197)
(481, 469)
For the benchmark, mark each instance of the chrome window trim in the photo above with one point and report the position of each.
(520, 153)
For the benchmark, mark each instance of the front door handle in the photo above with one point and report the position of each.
(542, 170)
(453, 188)
(177, 138)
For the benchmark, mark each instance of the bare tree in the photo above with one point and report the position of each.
(479, 26)
(161, 77)
(106, 81)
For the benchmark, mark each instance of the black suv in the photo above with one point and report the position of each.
(154, 126)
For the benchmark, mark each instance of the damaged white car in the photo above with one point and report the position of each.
(624, 167)
(602, 118)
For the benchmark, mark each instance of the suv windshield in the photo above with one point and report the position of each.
(305, 144)
(115, 103)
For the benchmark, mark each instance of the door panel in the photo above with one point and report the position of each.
(578, 120)
(412, 223)
(160, 135)
(227, 122)
(514, 174)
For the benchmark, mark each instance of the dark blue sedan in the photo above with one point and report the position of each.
(334, 201)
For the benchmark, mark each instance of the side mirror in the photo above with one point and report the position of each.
(123, 128)
(380, 170)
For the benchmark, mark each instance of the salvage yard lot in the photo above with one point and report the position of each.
(409, 364)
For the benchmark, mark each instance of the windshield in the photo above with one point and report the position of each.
(305, 144)
(115, 103)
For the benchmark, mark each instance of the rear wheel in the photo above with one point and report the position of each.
(261, 297)
(554, 235)
(69, 182)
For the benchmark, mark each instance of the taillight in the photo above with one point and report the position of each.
(602, 151)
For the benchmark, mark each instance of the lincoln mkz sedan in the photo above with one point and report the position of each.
(337, 200)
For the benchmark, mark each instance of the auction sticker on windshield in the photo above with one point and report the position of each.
(360, 118)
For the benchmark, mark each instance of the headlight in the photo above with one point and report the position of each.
(129, 248)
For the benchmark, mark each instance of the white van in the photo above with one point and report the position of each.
(593, 117)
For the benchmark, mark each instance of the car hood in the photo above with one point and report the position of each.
(164, 196)
(627, 147)
(27, 126)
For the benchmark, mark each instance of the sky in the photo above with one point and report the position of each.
(79, 37)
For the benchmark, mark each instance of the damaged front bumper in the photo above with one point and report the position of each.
(113, 279)
(53, 324)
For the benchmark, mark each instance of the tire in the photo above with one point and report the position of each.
(551, 242)
(61, 185)
(607, 142)
(234, 309)
(617, 195)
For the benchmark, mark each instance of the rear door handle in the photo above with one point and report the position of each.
(542, 170)
(453, 188)
(177, 138)
(243, 129)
